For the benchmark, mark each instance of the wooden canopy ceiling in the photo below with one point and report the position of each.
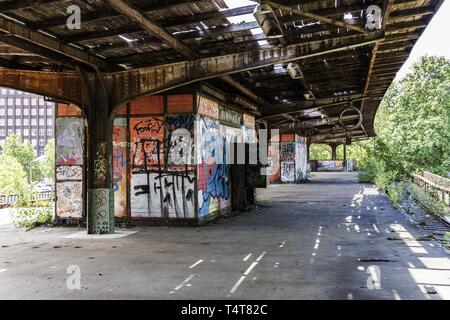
(118, 35)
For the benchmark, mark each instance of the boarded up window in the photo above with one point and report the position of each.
(147, 105)
(181, 103)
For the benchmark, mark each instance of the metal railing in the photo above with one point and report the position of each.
(38, 196)
(435, 184)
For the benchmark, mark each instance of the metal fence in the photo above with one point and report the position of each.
(39, 196)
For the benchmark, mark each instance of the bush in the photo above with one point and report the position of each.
(31, 217)
(370, 171)
(395, 192)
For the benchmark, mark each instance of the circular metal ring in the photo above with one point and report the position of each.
(351, 127)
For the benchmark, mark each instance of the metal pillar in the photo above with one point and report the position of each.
(345, 156)
(100, 209)
(333, 151)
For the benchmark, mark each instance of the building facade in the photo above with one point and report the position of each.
(27, 115)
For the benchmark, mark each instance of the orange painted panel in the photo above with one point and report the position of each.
(287, 137)
(68, 110)
(147, 105)
(182, 103)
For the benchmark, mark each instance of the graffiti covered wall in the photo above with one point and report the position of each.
(69, 162)
(162, 171)
(287, 159)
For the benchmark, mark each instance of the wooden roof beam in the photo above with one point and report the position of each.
(10, 5)
(245, 91)
(152, 80)
(151, 26)
(316, 17)
(42, 40)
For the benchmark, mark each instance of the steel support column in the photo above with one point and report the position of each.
(100, 210)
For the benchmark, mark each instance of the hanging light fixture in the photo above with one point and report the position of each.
(268, 21)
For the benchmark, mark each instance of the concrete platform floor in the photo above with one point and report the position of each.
(320, 240)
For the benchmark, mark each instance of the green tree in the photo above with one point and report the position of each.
(318, 151)
(413, 122)
(48, 165)
(13, 179)
(23, 152)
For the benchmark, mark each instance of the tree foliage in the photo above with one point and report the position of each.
(413, 122)
(23, 152)
(13, 179)
(48, 166)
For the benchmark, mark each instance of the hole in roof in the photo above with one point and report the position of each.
(244, 18)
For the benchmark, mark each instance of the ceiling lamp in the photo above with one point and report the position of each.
(268, 21)
(294, 70)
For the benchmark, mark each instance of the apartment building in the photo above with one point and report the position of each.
(27, 115)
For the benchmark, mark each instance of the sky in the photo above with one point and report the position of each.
(433, 41)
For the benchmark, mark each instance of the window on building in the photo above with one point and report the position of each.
(18, 112)
(49, 111)
(18, 122)
(33, 112)
(26, 102)
(19, 93)
(10, 122)
(49, 132)
(10, 132)
(26, 112)
(18, 102)
(42, 112)
(41, 102)
(10, 101)
(10, 112)
(41, 122)
(26, 122)
(4, 91)
(2, 111)
(34, 102)
(2, 132)
(33, 122)
(2, 102)
(33, 132)
(40, 152)
(2, 122)
(42, 143)
(26, 132)
(42, 132)
(49, 122)
(18, 132)
(34, 142)
(12, 92)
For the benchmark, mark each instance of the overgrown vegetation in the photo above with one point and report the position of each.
(29, 218)
(413, 128)
(15, 160)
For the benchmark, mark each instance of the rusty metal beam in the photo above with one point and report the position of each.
(316, 17)
(135, 83)
(319, 103)
(58, 85)
(245, 91)
(43, 40)
(149, 25)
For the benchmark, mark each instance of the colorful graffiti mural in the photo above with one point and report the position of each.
(120, 167)
(162, 180)
(69, 137)
(301, 163)
(213, 172)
